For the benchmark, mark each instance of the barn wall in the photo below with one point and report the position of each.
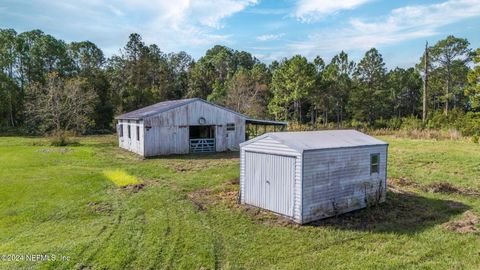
(169, 130)
(132, 144)
(271, 146)
(336, 181)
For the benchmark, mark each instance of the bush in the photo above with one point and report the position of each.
(471, 124)
(411, 123)
(475, 139)
(63, 138)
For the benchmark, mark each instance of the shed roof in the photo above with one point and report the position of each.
(311, 140)
(165, 106)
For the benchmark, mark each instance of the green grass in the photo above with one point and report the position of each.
(68, 201)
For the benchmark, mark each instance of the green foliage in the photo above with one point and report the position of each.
(449, 57)
(369, 99)
(63, 138)
(475, 139)
(473, 89)
(292, 81)
(337, 94)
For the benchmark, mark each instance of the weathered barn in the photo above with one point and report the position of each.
(307, 176)
(183, 126)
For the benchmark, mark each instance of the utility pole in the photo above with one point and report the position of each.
(425, 84)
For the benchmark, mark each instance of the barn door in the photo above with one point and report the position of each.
(269, 181)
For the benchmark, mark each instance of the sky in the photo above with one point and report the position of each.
(268, 29)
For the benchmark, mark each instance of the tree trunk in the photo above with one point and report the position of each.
(425, 86)
(449, 82)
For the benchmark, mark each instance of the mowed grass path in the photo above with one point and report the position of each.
(63, 201)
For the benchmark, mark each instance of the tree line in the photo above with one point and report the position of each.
(48, 85)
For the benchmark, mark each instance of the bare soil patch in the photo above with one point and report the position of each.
(100, 207)
(55, 150)
(228, 195)
(134, 188)
(436, 187)
(467, 224)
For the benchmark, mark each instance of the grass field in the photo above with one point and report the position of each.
(180, 212)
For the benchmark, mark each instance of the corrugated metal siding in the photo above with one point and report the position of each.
(270, 182)
(270, 146)
(338, 180)
(169, 132)
(131, 144)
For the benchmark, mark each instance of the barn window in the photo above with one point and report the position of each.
(374, 163)
(138, 133)
(230, 126)
(120, 127)
(129, 133)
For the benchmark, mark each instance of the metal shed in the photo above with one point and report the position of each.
(307, 176)
(183, 126)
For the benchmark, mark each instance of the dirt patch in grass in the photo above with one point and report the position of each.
(436, 187)
(228, 194)
(55, 150)
(199, 198)
(467, 224)
(100, 207)
(134, 188)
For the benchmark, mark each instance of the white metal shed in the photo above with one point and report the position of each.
(313, 175)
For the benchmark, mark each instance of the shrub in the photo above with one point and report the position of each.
(62, 138)
(475, 139)
(471, 124)
(411, 123)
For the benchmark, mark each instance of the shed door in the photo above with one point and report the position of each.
(269, 181)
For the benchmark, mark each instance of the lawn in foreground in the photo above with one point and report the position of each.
(69, 201)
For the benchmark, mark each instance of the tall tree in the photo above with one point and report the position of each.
(405, 95)
(369, 98)
(10, 93)
(473, 89)
(445, 55)
(337, 79)
(292, 81)
(60, 104)
(89, 61)
(247, 90)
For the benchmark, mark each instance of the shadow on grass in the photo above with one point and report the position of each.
(200, 156)
(404, 213)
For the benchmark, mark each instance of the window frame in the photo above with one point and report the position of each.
(129, 132)
(230, 126)
(138, 133)
(376, 165)
(121, 130)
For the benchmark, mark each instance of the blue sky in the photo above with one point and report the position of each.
(268, 29)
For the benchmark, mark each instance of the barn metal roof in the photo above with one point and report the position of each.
(311, 140)
(165, 106)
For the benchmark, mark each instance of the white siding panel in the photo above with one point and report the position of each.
(133, 143)
(336, 181)
(169, 132)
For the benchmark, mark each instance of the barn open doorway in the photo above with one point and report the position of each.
(202, 139)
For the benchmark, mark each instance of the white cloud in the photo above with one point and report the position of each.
(270, 37)
(191, 25)
(185, 23)
(313, 10)
(399, 25)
